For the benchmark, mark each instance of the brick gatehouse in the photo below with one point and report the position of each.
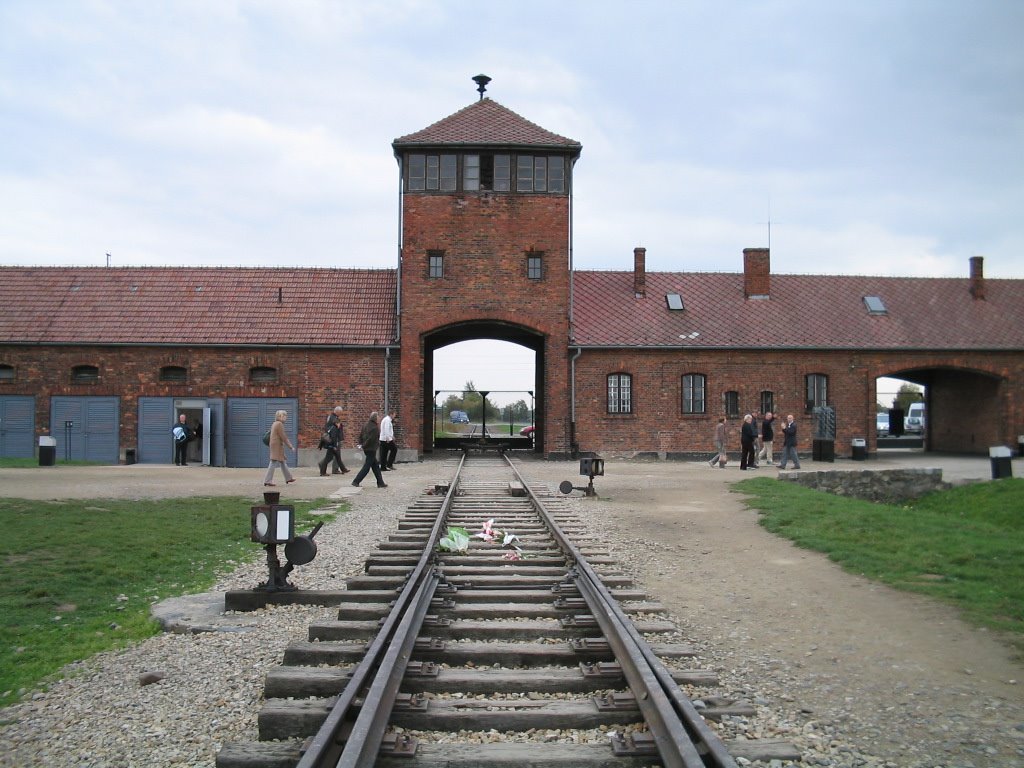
(628, 362)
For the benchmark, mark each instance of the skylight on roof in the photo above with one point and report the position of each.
(674, 301)
(875, 305)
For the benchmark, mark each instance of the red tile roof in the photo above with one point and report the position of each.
(486, 123)
(804, 311)
(168, 305)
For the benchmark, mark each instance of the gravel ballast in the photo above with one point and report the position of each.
(850, 672)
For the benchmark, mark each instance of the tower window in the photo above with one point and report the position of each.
(435, 264)
(535, 265)
(484, 172)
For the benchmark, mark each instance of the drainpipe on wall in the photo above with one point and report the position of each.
(387, 380)
(398, 273)
(572, 402)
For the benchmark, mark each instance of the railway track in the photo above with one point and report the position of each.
(481, 659)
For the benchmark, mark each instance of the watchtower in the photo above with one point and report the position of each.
(486, 252)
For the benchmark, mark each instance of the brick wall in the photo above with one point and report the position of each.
(970, 410)
(318, 379)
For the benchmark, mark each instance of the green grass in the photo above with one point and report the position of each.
(7, 462)
(964, 546)
(78, 577)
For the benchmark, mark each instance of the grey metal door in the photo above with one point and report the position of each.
(248, 419)
(86, 428)
(156, 418)
(17, 426)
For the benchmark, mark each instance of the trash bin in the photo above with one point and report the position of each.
(823, 450)
(1001, 458)
(860, 448)
(47, 451)
(129, 456)
(1020, 445)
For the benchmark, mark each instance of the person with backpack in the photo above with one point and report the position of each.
(182, 434)
(331, 440)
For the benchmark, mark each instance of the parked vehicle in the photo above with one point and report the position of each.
(459, 417)
(882, 425)
(915, 418)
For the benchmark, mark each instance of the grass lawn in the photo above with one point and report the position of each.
(964, 545)
(78, 577)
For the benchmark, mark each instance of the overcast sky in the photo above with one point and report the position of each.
(878, 137)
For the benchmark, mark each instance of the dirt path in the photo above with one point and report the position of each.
(898, 674)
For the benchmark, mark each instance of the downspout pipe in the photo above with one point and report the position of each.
(572, 401)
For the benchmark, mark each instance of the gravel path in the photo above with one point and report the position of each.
(851, 672)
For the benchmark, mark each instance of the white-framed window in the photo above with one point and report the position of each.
(620, 393)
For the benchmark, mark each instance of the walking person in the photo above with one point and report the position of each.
(748, 437)
(369, 441)
(767, 437)
(333, 437)
(182, 434)
(721, 458)
(789, 444)
(757, 436)
(388, 447)
(278, 440)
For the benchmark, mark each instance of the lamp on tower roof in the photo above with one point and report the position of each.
(481, 83)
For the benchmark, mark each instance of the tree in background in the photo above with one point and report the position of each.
(907, 394)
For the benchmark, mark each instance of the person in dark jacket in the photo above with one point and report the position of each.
(748, 439)
(369, 442)
(334, 435)
(182, 434)
(789, 444)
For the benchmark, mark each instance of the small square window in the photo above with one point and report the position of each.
(174, 373)
(85, 374)
(263, 374)
(6, 373)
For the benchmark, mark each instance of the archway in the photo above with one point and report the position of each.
(495, 330)
(965, 410)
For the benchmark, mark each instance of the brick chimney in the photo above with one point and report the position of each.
(756, 273)
(978, 277)
(640, 272)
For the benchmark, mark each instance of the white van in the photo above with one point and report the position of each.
(914, 422)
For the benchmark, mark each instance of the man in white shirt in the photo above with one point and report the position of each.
(388, 447)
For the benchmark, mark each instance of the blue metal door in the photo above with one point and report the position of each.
(86, 428)
(17, 426)
(248, 419)
(156, 418)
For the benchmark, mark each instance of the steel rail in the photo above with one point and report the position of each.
(682, 737)
(385, 661)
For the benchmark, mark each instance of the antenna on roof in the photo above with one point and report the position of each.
(481, 83)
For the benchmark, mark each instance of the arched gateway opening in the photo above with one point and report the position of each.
(498, 331)
(964, 410)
